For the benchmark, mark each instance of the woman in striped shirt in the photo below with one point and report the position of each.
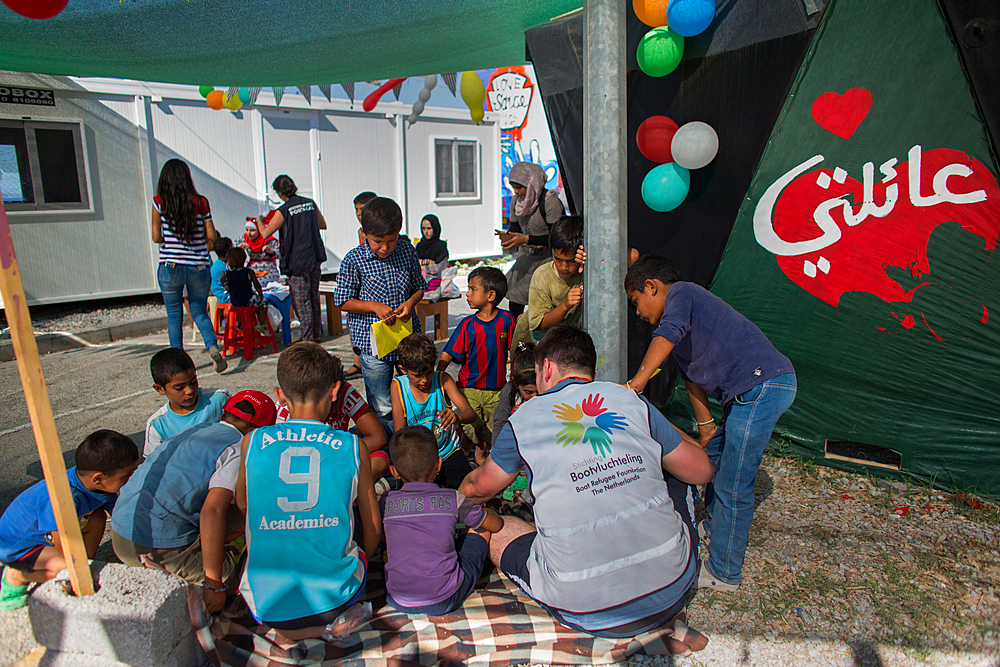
(182, 226)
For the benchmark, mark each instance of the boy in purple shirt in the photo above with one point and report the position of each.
(429, 570)
(722, 354)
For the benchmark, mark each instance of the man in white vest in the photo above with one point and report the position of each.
(614, 551)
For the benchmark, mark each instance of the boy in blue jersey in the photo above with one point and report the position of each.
(429, 570)
(220, 247)
(430, 398)
(29, 541)
(298, 484)
(481, 344)
(176, 513)
(175, 377)
(379, 280)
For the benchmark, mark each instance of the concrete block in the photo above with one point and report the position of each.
(137, 617)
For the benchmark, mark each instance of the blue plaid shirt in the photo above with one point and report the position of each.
(367, 277)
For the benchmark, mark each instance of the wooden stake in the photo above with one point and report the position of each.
(40, 409)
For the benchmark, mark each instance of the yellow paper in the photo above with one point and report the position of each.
(386, 337)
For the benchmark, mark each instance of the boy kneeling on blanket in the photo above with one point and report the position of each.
(298, 485)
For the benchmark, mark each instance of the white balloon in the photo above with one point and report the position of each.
(694, 145)
(418, 108)
(424, 95)
(430, 81)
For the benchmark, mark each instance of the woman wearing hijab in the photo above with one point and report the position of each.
(431, 250)
(263, 253)
(534, 211)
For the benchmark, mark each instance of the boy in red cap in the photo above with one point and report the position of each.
(177, 514)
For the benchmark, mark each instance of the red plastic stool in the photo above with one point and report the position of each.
(220, 311)
(245, 318)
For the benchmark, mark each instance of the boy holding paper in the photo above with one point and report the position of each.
(379, 280)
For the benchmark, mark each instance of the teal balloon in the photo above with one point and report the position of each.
(244, 94)
(205, 90)
(690, 17)
(660, 51)
(665, 187)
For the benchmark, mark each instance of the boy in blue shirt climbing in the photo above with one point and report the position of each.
(430, 398)
(307, 544)
(29, 542)
(175, 377)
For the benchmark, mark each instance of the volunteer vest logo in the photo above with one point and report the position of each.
(885, 246)
(588, 422)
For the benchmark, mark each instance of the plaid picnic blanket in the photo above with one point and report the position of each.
(497, 626)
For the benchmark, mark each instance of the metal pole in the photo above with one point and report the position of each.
(605, 187)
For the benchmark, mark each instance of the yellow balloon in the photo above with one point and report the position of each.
(477, 114)
(473, 93)
(234, 103)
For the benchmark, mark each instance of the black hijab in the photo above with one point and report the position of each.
(433, 248)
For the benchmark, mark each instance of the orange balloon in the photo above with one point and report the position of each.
(651, 12)
(215, 99)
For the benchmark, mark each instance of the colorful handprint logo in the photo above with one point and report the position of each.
(588, 422)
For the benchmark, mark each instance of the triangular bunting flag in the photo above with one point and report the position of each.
(231, 93)
(254, 92)
(451, 80)
(325, 89)
(306, 93)
(349, 89)
(396, 89)
(278, 92)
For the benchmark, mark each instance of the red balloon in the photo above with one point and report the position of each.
(36, 9)
(654, 137)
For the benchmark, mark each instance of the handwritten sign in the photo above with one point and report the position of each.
(509, 94)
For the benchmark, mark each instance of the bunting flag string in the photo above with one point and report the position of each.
(254, 92)
(306, 93)
(231, 93)
(451, 80)
(349, 89)
(278, 92)
(325, 89)
(396, 89)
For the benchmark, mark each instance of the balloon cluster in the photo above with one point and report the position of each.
(677, 150)
(474, 95)
(661, 49)
(430, 81)
(216, 99)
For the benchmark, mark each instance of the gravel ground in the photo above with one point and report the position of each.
(74, 317)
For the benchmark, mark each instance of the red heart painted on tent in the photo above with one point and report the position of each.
(830, 247)
(842, 114)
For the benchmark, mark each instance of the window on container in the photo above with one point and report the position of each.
(456, 168)
(42, 166)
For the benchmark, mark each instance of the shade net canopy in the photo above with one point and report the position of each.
(269, 43)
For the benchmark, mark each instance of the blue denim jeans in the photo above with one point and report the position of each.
(736, 450)
(378, 381)
(173, 278)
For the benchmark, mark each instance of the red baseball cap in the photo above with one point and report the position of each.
(264, 412)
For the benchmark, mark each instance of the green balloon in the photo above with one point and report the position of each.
(205, 90)
(660, 51)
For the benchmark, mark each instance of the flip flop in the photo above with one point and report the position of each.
(350, 375)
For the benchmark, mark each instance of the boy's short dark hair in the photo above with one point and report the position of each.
(417, 353)
(364, 197)
(567, 234)
(491, 278)
(105, 452)
(221, 246)
(306, 371)
(650, 267)
(169, 362)
(414, 453)
(570, 347)
(381, 216)
(237, 256)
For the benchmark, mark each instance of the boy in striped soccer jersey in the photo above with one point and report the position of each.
(481, 344)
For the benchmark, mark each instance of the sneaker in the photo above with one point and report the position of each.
(382, 487)
(218, 359)
(708, 581)
(11, 596)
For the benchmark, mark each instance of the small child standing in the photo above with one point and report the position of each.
(29, 541)
(242, 283)
(174, 376)
(379, 280)
(298, 485)
(431, 398)
(429, 570)
(220, 246)
(519, 389)
(556, 292)
(481, 344)
(359, 204)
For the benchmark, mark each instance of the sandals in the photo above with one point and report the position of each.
(350, 375)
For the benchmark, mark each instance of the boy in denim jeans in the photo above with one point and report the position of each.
(719, 353)
(379, 280)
